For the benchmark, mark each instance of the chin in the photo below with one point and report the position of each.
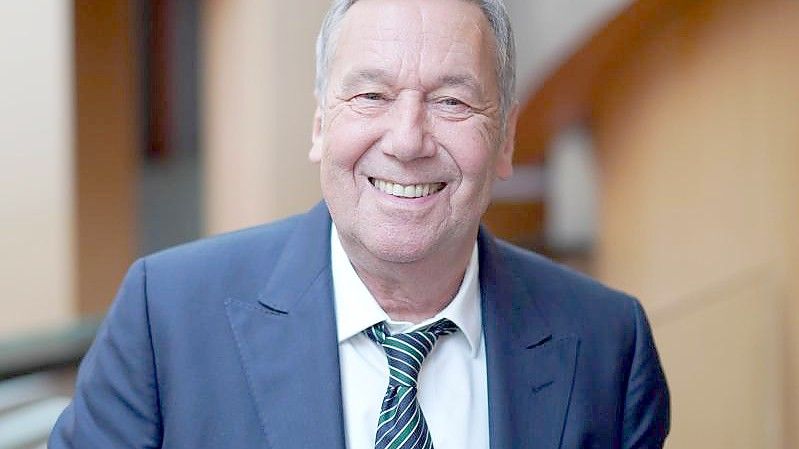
(395, 247)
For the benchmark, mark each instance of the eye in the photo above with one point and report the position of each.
(453, 102)
(451, 106)
(370, 96)
(370, 103)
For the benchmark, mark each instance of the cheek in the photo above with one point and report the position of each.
(471, 148)
(347, 140)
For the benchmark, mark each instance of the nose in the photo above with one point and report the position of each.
(408, 135)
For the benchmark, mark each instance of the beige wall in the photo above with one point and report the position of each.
(258, 103)
(36, 198)
(699, 142)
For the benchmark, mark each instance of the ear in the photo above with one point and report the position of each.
(504, 166)
(315, 155)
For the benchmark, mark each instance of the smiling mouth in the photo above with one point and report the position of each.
(407, 191)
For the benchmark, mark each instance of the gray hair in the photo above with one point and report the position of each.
(495, 13)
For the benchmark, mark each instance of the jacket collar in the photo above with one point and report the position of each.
(529, 367)
(305, 257)
(287, 343)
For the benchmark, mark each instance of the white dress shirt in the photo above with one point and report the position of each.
(452, 382)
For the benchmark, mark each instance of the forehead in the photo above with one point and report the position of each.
(420, 38)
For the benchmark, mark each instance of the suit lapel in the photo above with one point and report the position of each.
(530, 369)
(288, 346)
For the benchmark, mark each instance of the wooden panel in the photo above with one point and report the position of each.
(567, 95)
(722, 357)
(520, 223)
(106, 141)
(697, 138)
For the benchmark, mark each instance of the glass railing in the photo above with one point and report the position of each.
(37, 374)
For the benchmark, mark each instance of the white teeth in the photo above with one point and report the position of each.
(410, 191)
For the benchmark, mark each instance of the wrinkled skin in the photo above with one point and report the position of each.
(411, 98)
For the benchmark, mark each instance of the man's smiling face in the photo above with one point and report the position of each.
(409, 132)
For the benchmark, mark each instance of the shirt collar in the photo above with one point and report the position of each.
(356, 308)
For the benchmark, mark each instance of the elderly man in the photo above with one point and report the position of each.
(400, 324)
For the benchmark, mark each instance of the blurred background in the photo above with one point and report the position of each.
(658, 150)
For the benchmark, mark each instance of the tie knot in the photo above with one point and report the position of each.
(406, 352)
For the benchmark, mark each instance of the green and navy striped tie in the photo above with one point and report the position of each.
(401, 424)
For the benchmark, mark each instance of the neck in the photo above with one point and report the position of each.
(413, 291)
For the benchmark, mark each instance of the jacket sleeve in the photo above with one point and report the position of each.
(646, 404)
(116, 395)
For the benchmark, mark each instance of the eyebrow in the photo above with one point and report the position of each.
(356, 77)
(458, 80)
(380, 76)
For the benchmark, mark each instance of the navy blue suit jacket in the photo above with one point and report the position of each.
(230, 342)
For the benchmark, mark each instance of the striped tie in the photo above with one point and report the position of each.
(401, 423)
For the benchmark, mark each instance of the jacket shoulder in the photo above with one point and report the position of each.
(230, 265)
(241, 242)
(573, 296)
